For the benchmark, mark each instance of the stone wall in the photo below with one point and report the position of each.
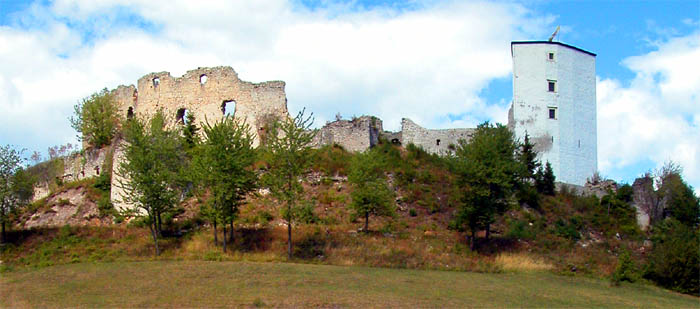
(77, 166)
(441, 142)
(207, 93)
(353, 135)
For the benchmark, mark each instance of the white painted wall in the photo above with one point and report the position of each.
(568, 142)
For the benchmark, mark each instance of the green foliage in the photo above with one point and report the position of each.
(625, 270)
(518, 229)
(568, 228)
(222, 167)
(528, 158)
(331, 160)
(412, 212)
(189, 132)
(674, 262)
(16, 185)
(371, 194)
(95, 119)
(152, 160)
(289, 145)
(487, 169)
(544, 180)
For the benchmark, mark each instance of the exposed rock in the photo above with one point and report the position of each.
(70, 207)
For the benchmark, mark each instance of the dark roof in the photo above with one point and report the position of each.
(548, 42)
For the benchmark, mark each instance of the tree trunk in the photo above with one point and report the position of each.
(366, 222)
(153, 227)
(472, 244)
(160, 228)
(289, 232)
(216, 239)
(224, 227)
(230, 238)
(488, 231)
(3, 236)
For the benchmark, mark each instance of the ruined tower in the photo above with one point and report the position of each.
(554, 102)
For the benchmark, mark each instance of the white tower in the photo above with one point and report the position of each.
(554, 102)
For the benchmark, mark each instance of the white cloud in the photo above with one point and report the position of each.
(423, 64)
(657, 117)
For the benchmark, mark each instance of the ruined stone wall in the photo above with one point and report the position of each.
(354, 135)
(441, 142)
(77, 166)
(209, 94)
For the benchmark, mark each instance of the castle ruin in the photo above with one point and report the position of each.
(553, 102)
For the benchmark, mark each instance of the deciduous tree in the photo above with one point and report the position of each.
(95, 118)
(370, 194)
(487, 171)
(289, 143)
(223, 168)
(16, 185)
(152, 158)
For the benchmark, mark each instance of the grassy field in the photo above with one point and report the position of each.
(242, 284)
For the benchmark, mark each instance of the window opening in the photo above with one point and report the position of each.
(551, 85)
(552, 113)
(550, 56)
(130, 113)
(228, 108)
(437, 142)
(203, 79)
(182, 116)
(156, 81)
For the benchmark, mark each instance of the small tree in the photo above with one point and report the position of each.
(223, 167)
(544, 180)
(487, 171)
(528, 158)
(152, 158)
(16, 185)
(289, 143)
(370, 195)
(95, 118)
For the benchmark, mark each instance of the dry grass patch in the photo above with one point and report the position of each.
(521, 262)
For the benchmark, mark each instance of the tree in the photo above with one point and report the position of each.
(528, 158)
(289, 143)
(189, 132)
(674, 261)
(544, 180)
(223, 167)
(526, 191)
(152, 157)
(487, 170)
(95, 118)
(370, 194)
(16, 185)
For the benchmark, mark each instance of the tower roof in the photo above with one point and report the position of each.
(548, 42)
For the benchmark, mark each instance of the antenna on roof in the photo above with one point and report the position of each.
(554, 34)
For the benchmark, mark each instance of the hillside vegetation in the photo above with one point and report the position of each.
(489, 208)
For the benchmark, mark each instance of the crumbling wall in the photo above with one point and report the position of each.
(77, 166)
(441, 142)
(207, 93)
(353, 135)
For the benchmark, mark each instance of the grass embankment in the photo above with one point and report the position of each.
(226, 284)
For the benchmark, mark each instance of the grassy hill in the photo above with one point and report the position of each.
(228, 284)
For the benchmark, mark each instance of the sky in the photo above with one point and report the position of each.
(441, 63)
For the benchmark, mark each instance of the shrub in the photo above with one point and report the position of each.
(674, 262)
(412, 212)
(625, 270)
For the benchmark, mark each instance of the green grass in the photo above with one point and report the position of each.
(227, 284)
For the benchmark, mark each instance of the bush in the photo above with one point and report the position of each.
(518, 229)
(625, 270)
(674, 262)
(95, 118)
(412, 212)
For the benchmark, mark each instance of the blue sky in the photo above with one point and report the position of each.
(440, 63)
